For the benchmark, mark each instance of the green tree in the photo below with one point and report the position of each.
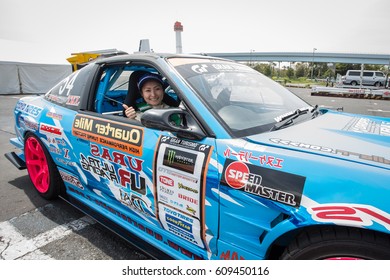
(301, 70)
(290, 72)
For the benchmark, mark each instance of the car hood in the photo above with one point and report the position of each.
(363, 139)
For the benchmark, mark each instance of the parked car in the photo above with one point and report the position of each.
(368, 78)
(250, 171)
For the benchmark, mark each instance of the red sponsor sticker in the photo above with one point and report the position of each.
(51, 129)
(237, 174)
(166, 181)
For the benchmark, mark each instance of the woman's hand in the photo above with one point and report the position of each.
(129, 112)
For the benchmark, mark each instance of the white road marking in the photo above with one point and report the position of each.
(13, 245)
(378, 110)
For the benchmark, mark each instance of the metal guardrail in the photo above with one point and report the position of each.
(353, 92)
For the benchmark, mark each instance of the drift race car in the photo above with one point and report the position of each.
(250, 171)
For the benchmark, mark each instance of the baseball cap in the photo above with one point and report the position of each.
(148, 77)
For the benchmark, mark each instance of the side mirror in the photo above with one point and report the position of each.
(175, 120)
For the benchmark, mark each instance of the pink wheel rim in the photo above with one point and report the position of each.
(37, 165)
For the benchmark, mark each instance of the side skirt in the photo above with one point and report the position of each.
(135, 241)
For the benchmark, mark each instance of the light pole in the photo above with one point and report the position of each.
(312, 64)
(250, 59)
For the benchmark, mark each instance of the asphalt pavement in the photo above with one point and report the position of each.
(33, 228)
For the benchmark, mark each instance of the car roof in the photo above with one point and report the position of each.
(150, 57)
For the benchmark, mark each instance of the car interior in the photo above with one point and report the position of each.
(118, 86)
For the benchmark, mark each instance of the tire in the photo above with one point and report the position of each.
(338, 243)
(377, 84)
(41, 169)
(353, 83)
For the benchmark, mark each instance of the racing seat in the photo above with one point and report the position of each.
(134, 98)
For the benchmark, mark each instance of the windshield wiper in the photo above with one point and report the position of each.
(287, 119)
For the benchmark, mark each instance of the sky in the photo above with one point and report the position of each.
(48, 31)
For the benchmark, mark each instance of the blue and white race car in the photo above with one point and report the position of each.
(237, 167)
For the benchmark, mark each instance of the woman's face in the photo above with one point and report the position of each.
(152, 92)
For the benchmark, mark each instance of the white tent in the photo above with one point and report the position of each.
(19, 77)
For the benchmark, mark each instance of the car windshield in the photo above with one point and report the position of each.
(243, 99)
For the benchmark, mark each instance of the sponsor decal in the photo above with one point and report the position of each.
(175, 204)
(185, 144)
(49, 129)
(54, 115)
(115, 135)
(134, 202)
(188, 198)
(368, 126)
(166, 181)
(55, 150)
(271, 184)
(358, 215)
(29, 124)
(217, 67)
(102, 163)
(179, 223)
(165, 190)
(28, 108)
(136, 182)
(181, 186)
(191, 210)
(385, 129)
(301, 145)
(56, 98)
(180, 160)
(117, 157)
(263, 159)
(73, 100)
(179, 173)
(102, 169)
(177, 214)
(66, 153)
(65, 162)
(230, 256)
(56, 141)
(372, 158)
(73, 180)
(164, 198)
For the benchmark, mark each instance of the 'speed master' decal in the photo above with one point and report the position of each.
(272, 184)
(179, 174)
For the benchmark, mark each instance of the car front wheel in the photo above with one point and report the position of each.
(338, 243)
(41, 168)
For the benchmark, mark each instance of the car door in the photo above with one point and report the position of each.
(159, 182)
(368, 78)
(151, 175)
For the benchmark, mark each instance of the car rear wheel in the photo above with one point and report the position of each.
(338, 243)
(41, 168)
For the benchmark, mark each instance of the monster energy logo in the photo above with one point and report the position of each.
(171, 156)
(180, 160)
